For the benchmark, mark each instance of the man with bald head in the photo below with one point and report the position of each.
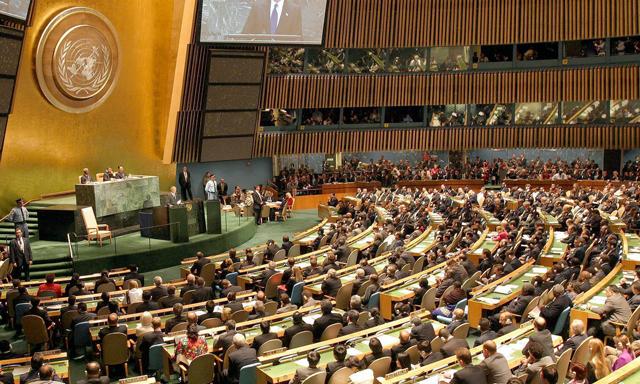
(543, 336)
(577, 336)
(495, 365)
(406, 342)
(331, 284)
(112, 327)
(93, 375)
(242, 356)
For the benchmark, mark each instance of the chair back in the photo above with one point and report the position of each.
(581, 354)
(562, 321)
(300, 339)
(563, 365)
(155, 358)
(265, 212)
(271, 289)
(258, 258)
(363, 317)
(462, 304)
(461, 331)
(436, 344)
(381, 249)
(89, 219)
(248, 373)
(294, 250)
(21, 309)
(232, 277)
(429, 299)
(270, 308)
(633, 321)
(353, 258)
(225, 362)
(67, 318)
(179, 327)
(269, 346)
(201, 369)
(187, 298)
(344, 296)
(131, 308)
(296, 293)
(374, 300)
(406, 269)
(35, 331)
(532, 304)
(115, 349)
(280, 255)
(363, 288)
(442, 303)
(341, 376)
(208, 273)
(11, 295)
(212, 323)
(324, 240)
(108, 287)
(418, 265)
(414, 354)
(104, 311)
(240, 316)
(127, 284)
(316, 378)
(380, 367)
(331, 332)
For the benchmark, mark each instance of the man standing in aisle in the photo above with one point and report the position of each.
(257, 204)
(212, 188)
(185, 184)
(20, 255)
(223, 189)
(19, 216)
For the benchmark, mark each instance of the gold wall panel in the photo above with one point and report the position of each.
(46, 149)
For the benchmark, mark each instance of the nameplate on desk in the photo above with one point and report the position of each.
(137, 379)
(274, 352)
(50, 352)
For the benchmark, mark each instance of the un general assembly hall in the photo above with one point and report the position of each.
(320, 191)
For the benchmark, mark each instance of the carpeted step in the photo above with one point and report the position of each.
(49, 266)
(50, 259)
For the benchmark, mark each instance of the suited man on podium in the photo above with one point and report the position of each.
(274, 17)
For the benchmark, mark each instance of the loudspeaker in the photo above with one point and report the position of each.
(179, 222)
(214, 220)
(612, 160)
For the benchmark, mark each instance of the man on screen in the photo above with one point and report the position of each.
(274, 17)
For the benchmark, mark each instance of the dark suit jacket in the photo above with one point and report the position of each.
(323, 322)
(519, 304)
(150, 306)
(294, 330)
(368, 359)
(450, 347)
(572, 343)
(238, 359)
(263, 338)
(257, 200)
(471, 374)
(158, 292)
(399, 348)
(349, 329)
(225, 340)
(507, 329)
(235, 306)
(196, 268)
(109, 330)
(135, 275)
(259, 20)
(330, 286)
(169, 301)
(184, 183)
(17, 256)
(432, 358)
(485, 336)
(172, 322)
(100, 380)
(202, 294)
(496, 368)
(423, 332)
(232, 288)
(553, 310)
(544, 338)
(149, 339)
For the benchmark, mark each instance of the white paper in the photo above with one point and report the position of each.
(388, 341)
(309, 319)
(598, 300)
(352, 352)
(539, 270)
(503, 289)
(248, 304)
(488, 300)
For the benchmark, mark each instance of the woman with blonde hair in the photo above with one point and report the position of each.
(135, 293)
(597, 366)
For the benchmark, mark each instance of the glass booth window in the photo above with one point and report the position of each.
(361, 116)
(278, 117)
(538, 51)
(406, 115)
(493, 54)
(585, 48)
(325, 60)
(286, 60)
(536, 113)
(320, 116)
(449, 58)
(629, 45)
(366, 60)
(625, 111)
(490, 114)
(584, 112)
(450, 115)
(406, 60)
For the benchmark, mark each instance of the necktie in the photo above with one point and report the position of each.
(22, 213)
(274, 19)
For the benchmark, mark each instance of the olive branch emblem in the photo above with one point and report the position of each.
(66, 76)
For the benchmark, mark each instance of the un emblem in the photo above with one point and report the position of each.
(77, 60)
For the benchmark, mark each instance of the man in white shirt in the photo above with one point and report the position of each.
(19, 216)
(212, 188)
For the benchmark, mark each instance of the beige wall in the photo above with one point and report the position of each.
(45, 148)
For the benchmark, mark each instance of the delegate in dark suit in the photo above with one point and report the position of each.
(238, 359)
(294, 330)
(572, 343)
(323, 322)
(496, 369)
(184, 180)
(544, 338)
(452, 345)
(260, 18)
(149, 339)
(20, 255)
(471, 374)
(552, 311)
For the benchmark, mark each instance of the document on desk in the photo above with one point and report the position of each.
(309, 319)
(388, 341)
(488, 300)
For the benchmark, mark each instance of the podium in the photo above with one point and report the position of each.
(175, 223)
(214, 220)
